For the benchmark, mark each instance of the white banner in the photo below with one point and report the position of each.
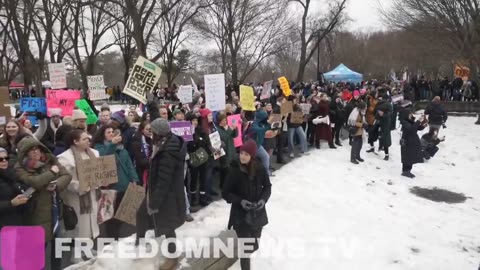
(215, 92)
(96, 88)
(266, 91)
(185, 94)
(58, 76)
(143, 78)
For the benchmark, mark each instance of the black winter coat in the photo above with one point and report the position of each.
(9, 189)
(411, 149)
(165, 188)
(239, 186)
(200, 140)
(437, 115)
(337, 113)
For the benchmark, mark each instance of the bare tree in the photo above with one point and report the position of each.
(125, 42)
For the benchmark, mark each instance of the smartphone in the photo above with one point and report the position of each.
(28, 193)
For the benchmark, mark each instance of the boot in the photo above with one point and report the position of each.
(408, 174)
(332, 146)
(169, 264)
(360, 159)
(386, 158)
(205, 200)
(188, 218)
(354, 161)
(338, 143)
(371, 150)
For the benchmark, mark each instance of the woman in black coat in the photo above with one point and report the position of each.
(11, 197)
(247, 188)
(141, 149)
(411, 147)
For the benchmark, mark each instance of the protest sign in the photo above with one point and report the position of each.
(182, 129)
(266, 91)
(96, 88)
(215, 92)
(133, 198)
(32, 106)
(185, 94)
(4, 100)
(296, 118)
(287, 107)
(143, 78)
(236, 121)
(97, 172)
(216, 144)
(106, 204)
(285, 86)
(306, 108)
(58, 76)
(247, 98)
(62, 99)
(83, 105)
(397, 98)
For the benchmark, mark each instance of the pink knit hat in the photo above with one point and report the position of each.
(356, 93)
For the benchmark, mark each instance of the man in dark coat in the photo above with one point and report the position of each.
(164, 204)
(383, 112)
(337, 117)
(437, 114)
(411, 148)
(53, 124)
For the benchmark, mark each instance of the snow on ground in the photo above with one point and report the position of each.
(349, 216)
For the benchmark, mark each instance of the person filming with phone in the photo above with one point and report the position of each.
(11, 197)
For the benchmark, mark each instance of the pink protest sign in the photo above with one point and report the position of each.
(236, 120)
(63, 99)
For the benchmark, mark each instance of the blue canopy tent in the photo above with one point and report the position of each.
(343, 74)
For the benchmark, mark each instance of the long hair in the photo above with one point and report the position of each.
(99, 137)
(73, 136)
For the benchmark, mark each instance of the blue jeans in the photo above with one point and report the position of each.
(264, 157)
(301, 136)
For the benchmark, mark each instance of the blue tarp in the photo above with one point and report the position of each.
(343, 74)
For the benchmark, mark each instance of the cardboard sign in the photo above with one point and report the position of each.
(286, 108)
(96, 88)
(306, 108)
(58, 76)
(266, 91)
(183, 129)
(143, 78)
(133, 198)
(236, 120)
(215, 92)
(98, 172)
(62, 99)
(296, 118)
(247, 98)
(4, 100)
(285, 86)
(184, 94)
(216, 143)
(83, 105)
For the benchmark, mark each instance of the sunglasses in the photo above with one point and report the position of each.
(2, 159)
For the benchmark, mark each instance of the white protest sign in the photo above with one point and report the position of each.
(215, 92)
(96, 88)
(143, 78)
(266, 91)
(58, 76)
(185, 94)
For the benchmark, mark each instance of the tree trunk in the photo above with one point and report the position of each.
(234, 68)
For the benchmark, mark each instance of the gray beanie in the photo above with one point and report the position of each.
(160, 127)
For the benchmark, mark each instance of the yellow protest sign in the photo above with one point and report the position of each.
(285, 86)
(247, 98)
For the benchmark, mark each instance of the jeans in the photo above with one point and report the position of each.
(264, 157)
(301, 136)
(357, 143)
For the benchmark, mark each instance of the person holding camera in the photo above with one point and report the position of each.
(411, 147)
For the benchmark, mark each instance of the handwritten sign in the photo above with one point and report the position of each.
(286, 108)
(58, 76)
(96, 88)
(215, 91)
(247, 98)
(30, 104)
(266, 91)
(285, 86)
(143, 78)
(216, 143)
(184, 94)
(296, 118)
(62, 99)
(133, 198)
(182, 129)
(306, 108)
(236, 120)
(83, 105)
(97, 172)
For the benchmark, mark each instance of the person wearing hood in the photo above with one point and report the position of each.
(411, 148)
(437, 114)
(119, 121)
(260, 126)
(247, 189)
(358, 125)
(164, 204)
(53, 125)
(38, 168)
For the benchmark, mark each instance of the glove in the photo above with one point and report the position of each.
(246, 205)
(260, 205)
(40, 115)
